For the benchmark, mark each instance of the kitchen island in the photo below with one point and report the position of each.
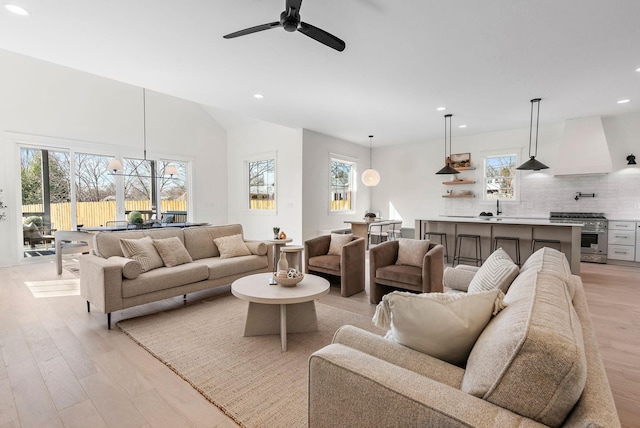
(526, 229)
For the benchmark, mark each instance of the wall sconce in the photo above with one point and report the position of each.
(631, 159)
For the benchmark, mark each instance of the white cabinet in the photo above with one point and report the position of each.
(638, 241)
(622, 240)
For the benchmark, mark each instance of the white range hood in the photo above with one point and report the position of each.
(583, 148)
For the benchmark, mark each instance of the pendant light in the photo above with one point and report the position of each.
(115, 166)
(448, 169)
(533, 164)
(370, 177)
(631, 159)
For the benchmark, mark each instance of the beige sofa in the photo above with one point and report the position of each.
(536, 363)
(102, 274)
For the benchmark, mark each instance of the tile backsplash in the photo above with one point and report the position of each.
(617, 195)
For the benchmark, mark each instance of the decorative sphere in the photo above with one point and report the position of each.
(370, 177)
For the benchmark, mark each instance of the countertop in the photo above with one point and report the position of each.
(503, 220)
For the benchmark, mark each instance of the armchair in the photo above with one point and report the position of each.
(385, 275)
(349, 265)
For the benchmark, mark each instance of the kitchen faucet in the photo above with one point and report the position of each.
(498, 212)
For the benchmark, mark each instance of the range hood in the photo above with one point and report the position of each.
(583, 148)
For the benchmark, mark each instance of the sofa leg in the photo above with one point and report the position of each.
(88, 306)
(109, 320)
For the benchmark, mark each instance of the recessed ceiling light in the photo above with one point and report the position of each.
(623, 101)
(16, 9)
(258, 96)
(462, 126)
(441, 108)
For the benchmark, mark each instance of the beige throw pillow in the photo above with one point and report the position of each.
(258, 248)
(411, 251)
(143, 251)
(172, 251)
(444, 326)
(337, 242)
(498, 271)
(131, 269)
(232, 246)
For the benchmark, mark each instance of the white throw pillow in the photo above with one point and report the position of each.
(411, 251)
(232, 246)
(131, 269)
(498, 271)
(338, 241)
(442, 325)
(143, 251)
(172, 251)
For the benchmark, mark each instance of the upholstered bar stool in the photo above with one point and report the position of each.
(457, 258)
(513, 239)
(443, 241)
(546, 243)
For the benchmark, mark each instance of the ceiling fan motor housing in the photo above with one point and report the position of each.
(290, 20)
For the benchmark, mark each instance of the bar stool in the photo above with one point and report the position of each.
(545, 242)
(456, 251)
(443, 241)
(513, 239)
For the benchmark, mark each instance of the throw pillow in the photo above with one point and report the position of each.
(258, 248)
(411, 251)
(442, 325)
(498, 271)
(172, 251)
(131, 269)
(337, 242)
(232, 246)
(143, 251)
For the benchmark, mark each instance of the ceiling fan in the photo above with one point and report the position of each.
(290, 21)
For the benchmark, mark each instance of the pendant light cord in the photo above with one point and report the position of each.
(537, 101)
(144, 121)
(370, 138)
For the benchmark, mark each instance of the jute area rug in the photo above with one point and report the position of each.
(248, 378)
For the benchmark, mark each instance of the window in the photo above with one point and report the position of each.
(500, 177)
(262, 185)
(342, 173)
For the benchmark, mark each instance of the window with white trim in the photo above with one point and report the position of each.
(342, 175)
(262, 184)
(500, 177)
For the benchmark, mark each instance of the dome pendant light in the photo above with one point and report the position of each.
(370, 177)
(533, 164)
(448, 169)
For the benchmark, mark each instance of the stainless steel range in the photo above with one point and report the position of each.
(593, 247)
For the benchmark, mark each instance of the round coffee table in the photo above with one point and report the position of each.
(276, 309)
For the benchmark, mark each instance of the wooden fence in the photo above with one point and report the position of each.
(97, 213)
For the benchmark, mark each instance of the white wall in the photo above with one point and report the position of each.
(410, 185)
(318, 149)
(45, 103)
(247, 142)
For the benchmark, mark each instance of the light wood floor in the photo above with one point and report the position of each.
(60, 366)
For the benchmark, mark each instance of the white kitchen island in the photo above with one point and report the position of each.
(526, 229)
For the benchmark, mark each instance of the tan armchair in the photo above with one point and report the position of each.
(349, 266)
(385, 275)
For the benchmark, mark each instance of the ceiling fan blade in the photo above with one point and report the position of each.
(253, 30)
(321, 36)
(293, 4)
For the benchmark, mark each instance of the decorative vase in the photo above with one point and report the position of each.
(283, 264)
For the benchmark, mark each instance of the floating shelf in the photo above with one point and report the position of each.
(458, 196)
(459, 182)
(465, 168)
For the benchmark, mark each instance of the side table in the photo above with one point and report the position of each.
(277, 245)
(294, 256)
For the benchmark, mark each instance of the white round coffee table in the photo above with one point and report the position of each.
(276, 309)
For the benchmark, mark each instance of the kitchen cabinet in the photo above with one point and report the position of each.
(622, 240)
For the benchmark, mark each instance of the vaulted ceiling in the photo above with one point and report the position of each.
(483, 61)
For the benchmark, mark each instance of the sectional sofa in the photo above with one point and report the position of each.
(536, 363)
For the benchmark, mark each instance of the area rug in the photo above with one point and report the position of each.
(248, 378)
